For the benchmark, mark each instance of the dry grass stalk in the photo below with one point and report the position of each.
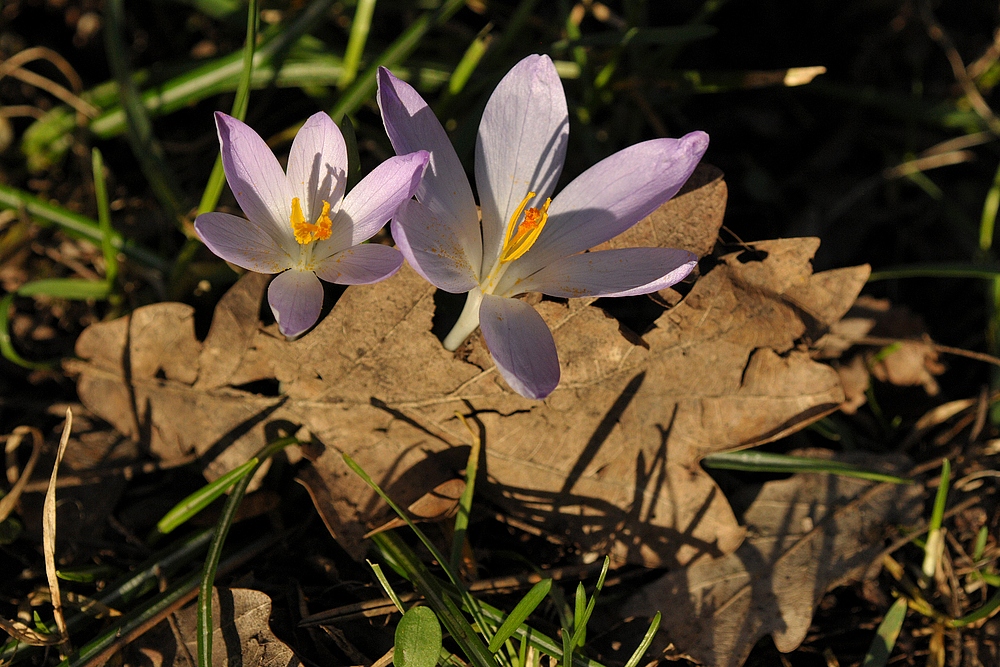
(8, 502)
(49, 531)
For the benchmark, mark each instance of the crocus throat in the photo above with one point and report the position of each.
(305, 232)
(517, 243)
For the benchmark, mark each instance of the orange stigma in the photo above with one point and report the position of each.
(517, 243)
(305, 232)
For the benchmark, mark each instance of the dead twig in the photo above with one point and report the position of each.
(947, 349)
(937, 33)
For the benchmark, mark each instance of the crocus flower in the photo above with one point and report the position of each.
(299, 224)
(524, 240)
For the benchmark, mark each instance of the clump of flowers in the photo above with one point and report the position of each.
(298, 222)
(524, 240)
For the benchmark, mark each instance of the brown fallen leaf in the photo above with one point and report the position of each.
(806, 534)
(438, 504)
(242, 635)
(609, 461)
(904, 355)
(908, 363)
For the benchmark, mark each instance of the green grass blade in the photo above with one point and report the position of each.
(750, 460)
(437, 598)
(470, 60)
(213, 189)
(470, 603)
(579, 610)
(989, 271)
(981, 539)
(520, 613)
(359, 471)
(87, 574)
(935, 538)
(145, 146)
(118, 633)
(987, 220)
(7, 345)
(647, 639)
(186, 509)
(885, 636)
(222, 75)
(580, 629)
(204, 625)
(985, 611)
(387, 587)
(74, 289)
(75, 225)
(364, 87)
(360, 26)
(143, 579)
(104, 218)
(394, 551)
(465, 501)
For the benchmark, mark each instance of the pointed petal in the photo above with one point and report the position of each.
(521, 146)
(377, 197)
(613, 195)
(296, 298)
(411, 126)
(255, 177)
(317, 166)
(521, 345)
(432, 249)
(621, 272)
(360, 265)
(242, 242)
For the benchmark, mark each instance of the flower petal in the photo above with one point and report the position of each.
(317, 166)
(244, 243)
(432, 248)
(360, 265)
(296, 298)
(375, 199)
(411, 126)
(620, 272)
(521, 345)
(521, 146)
(613, 195)
(255, 177)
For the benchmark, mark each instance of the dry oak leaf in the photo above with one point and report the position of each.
(609, 461)
(910, 361)
(242, 635)
(806, 534)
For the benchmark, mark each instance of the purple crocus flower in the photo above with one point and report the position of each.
(299, 224)
(524, 240)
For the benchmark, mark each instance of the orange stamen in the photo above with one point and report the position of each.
(518, 243)
(305, 232)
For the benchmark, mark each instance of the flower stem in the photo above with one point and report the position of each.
(467, 321)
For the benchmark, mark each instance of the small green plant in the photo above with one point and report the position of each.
(913, 595)
(492, 638)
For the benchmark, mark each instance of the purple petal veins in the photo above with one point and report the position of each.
(299, 223)
(296, 298)
(522, 242)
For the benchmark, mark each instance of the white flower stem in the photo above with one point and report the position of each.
(467, 321)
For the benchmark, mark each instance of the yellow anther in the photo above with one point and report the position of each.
(517, 243)
(306, 232)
